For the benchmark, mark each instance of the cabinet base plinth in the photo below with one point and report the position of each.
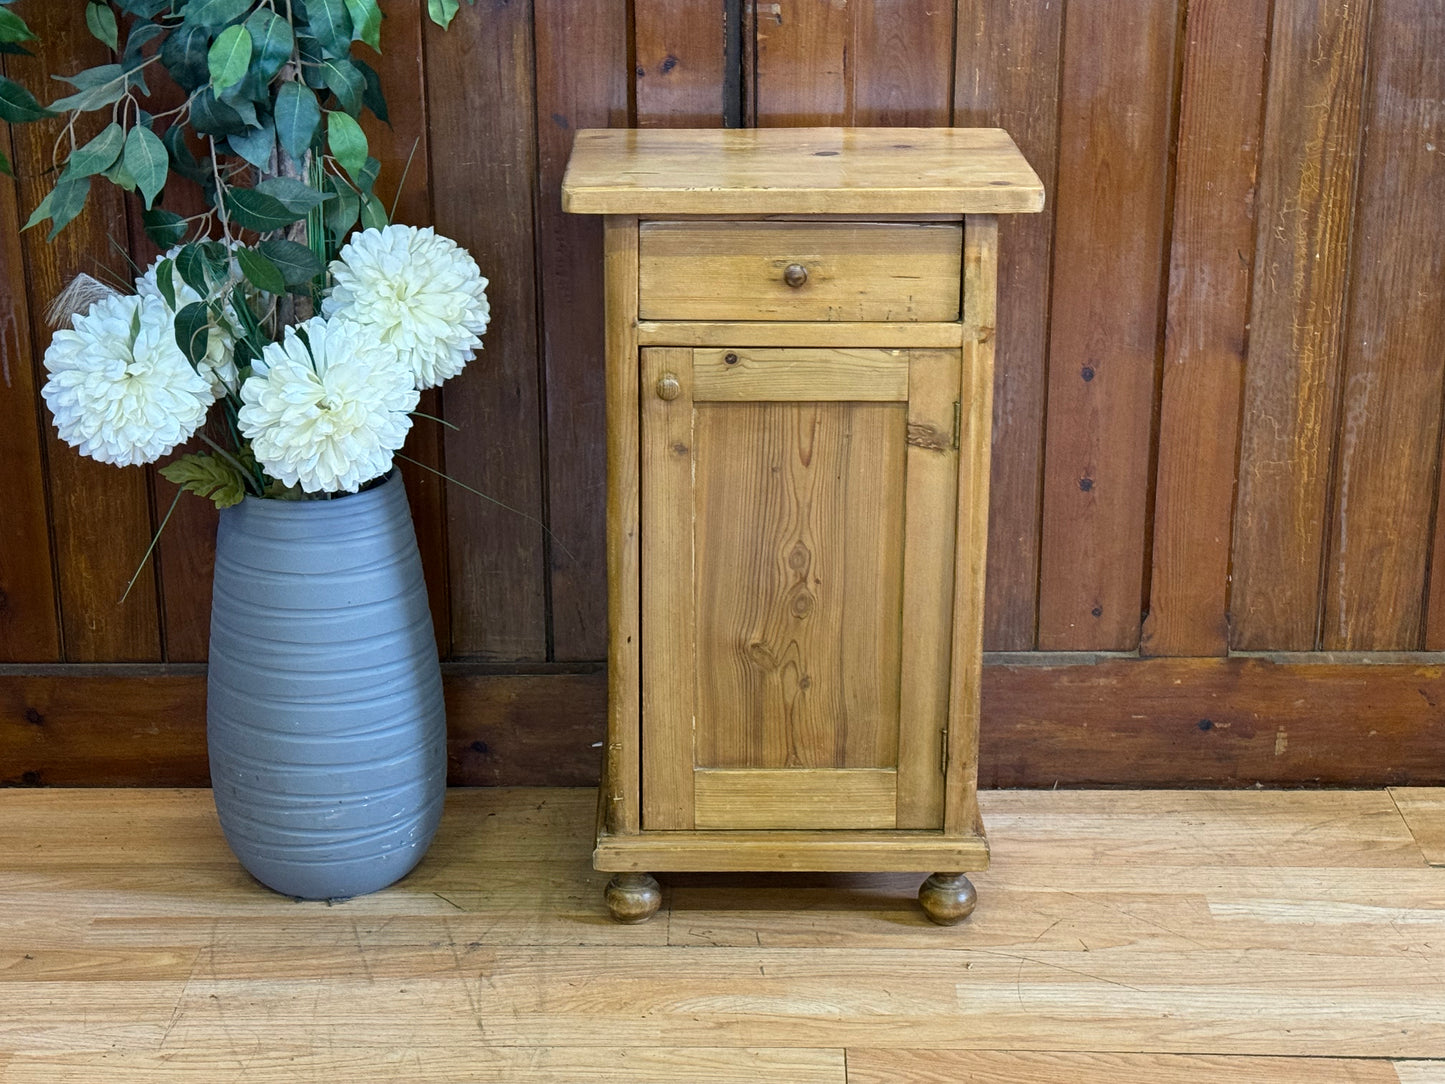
(789, 851)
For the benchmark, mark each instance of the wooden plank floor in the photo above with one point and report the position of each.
(1121, 938)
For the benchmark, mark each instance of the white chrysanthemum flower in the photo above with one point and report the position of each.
(327, 418)
(415, 291)
(120, 389)
(219, 363)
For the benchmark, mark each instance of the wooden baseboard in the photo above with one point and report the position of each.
(1065, 720)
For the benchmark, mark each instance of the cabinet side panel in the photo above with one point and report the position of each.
(799, 591)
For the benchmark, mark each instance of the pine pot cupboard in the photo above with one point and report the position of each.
(799, 382)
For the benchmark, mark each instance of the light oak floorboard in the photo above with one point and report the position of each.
(1120, 936)
(1424, 811)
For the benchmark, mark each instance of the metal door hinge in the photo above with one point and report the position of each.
(943, 751)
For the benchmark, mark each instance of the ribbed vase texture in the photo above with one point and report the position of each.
(325, 721)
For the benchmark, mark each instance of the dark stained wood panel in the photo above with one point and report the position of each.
(1109, 263)
(1047, 720)
(403, 147)
(100, 515)
(483, 188)
(581, 83)
(679, 72)
(1291, 395)
(1205, 345)
(1007, 75)
(801, 78)
(1380, 530)
(29, 621)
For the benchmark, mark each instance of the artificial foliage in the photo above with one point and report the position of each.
(291, 303)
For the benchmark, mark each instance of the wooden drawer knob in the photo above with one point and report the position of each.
(795, 274)
(668, 388)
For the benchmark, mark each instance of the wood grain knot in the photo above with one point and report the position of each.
(921, 435)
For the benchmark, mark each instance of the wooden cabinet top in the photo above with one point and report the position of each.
(719, 171)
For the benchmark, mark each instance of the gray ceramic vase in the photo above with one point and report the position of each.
(324, 715)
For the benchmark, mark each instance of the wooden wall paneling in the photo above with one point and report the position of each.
(872, 62)
(483, 188)
(1007, 75)
(680, 63)
(100, 514)
(29, 621)
(1435, 593)
(1291, 393)
(581, 83)
(1109, 262)
(1046, 720)
(1381, 525)
(1211, 257)
(406, 139)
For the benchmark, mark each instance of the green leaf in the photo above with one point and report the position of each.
(255, 144)
(99, 154)
(166, 282)
(442, 11)
(296, 262)
(191, 263)
(253, 210)
(347, 141)
(18, 105)
(341, 213)
(193, 331)
(41, 213)
(146, 161)
(165, 228)
(373, 213)
(331, 25)
(372, 97)
(294, 195)
(272, 40)
(119, 176)
(99, 87)
(9, 48)
(13, 28)
(297, 117)
(206, 475)
(140, 35)
(100, 20)
(366, 21)
(211, 116)
(5, 165)
(67, 201)
(184, 55)
(229, 57)
(213, 14)
(343, 79)
(260, 272)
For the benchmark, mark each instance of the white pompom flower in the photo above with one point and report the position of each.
(119, 388)
(416, 291)
(327, 417)
(219, 363)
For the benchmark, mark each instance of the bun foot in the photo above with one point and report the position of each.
(633, 897)
(948, 898)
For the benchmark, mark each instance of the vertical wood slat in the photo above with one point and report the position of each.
(669, 694)
(403, 148)
(980, 317)
(930, 521)
(29, 623)
(679, 74)
(1007, 76)
(482, 196)
(100, 515)
(1291, 395)
(581, 83)
(871, 62)
(1108, 268)
(624, 559)
(1211, 257)
(1395, 343)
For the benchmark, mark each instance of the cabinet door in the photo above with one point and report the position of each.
(798, 518)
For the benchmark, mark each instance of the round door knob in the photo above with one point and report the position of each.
(668, 388)
(795, 274)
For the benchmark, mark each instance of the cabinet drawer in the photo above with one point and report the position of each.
(859, 271)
